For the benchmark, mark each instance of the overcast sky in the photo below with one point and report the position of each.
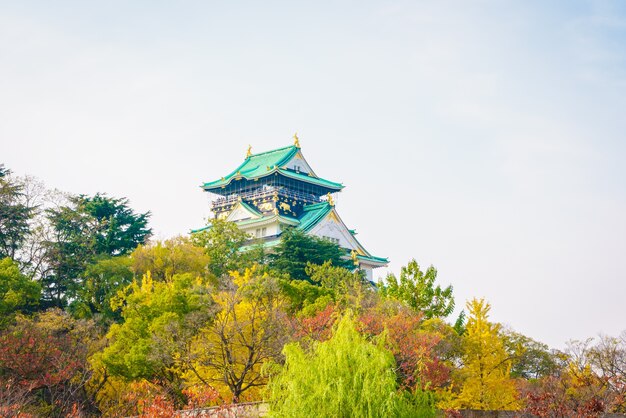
(486, 138)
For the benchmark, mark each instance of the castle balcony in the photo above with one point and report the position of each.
(264, 193)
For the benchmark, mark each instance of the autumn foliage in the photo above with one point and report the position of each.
(99, 321)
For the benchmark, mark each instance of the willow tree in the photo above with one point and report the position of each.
(346, 376)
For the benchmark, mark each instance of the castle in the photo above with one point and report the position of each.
(273, 190)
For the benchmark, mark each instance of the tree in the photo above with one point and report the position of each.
(164, 259)
(223, 242)
(565, 396)
(297, 249)
(14, 215)
(418, 291)
(348, 289)
(485, 376)
(32, 254)
(153, 341)
(590, 381)
(17, 292)
(530, 359)
(449, 349)
(45, 360)
(249, 331)
(119, 230)
(101, 281)
(346, 376)
(88, 228)
(413, 348)
(608, 359)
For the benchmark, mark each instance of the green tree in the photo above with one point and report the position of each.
(223, 242)
(346, 376)
(485, 377)
(418, 291)
(14, 215)
(160, 319)
(297, 249)
(101, 281)
(67, 254)
(88, 228)
(349, 289)
(530, 359)
(17, 292)
(119, 230)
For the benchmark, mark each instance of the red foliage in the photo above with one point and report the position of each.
(318, 327)
(557, 397)
(149, 400)
(412, 348)
(158, 407)
(44, 361)
(34, 359)
(202, 398)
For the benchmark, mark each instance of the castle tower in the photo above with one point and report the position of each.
(276, 189)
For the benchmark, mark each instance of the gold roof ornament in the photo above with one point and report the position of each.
(329, 199)
(249, 153)
(353, 256)
(296, 140)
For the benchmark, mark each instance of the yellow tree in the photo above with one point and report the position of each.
(486, 373)
(249, 330)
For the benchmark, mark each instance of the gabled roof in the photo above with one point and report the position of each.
(266, 163)
(313, 214)
(243, 207)
(316, 213)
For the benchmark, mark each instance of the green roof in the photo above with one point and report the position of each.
(204, 228)
(267, 163)
(312, 214)
(310, 179)
(373, 259)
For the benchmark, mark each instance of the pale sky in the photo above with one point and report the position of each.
(483, 137)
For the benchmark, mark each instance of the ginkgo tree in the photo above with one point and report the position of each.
(485, 377)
